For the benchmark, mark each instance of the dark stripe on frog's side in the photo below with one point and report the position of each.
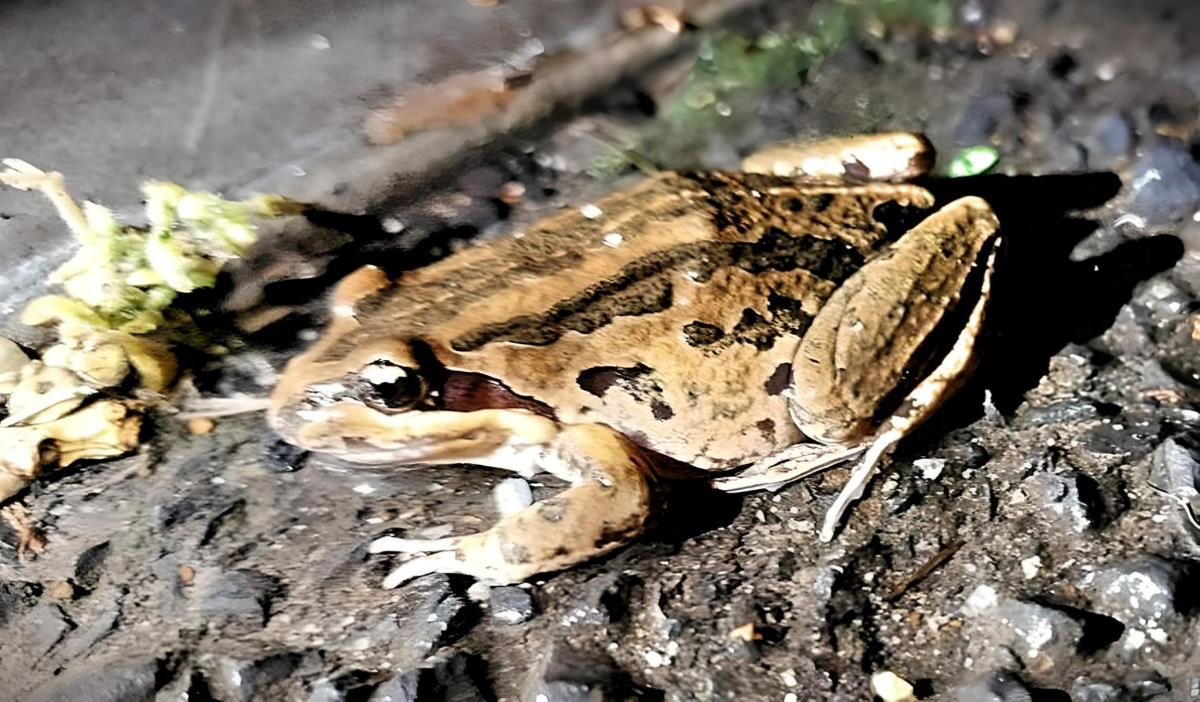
(643, 288)
(787, 228)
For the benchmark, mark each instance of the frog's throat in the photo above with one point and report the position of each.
(488, 437)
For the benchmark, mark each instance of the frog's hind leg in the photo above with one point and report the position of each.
(606, 506)
(848, 431)
(916, 408)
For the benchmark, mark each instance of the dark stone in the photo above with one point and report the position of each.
(240, 594)
(574, 675)
(90, 565)
(281, 457)
(239, 680)
(16, 597)
(1166, 184)
(511, 605)
(1070, 499)
(997, 686)
(1014, 632)
(460, 678)
(106, 681)
(1097, 692)
(428, 617)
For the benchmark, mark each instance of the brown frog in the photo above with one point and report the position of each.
(765, 319)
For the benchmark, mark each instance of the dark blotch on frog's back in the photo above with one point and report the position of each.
(779, 380)
(637, 381)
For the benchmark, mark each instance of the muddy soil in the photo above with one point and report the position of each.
(1014, 550)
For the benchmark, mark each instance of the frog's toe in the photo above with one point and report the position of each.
(787, 466)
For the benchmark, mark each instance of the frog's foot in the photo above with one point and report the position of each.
(605, 507)
(787, 466)
(894, 157)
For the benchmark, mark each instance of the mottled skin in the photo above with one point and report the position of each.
(672, 325)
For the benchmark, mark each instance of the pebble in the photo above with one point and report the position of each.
(891, 687)
(511, 605)
(1141, 594)
(512, 495)
(1166, 184)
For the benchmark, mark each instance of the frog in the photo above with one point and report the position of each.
(756, 326)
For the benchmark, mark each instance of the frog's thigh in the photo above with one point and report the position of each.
(891, 157)
(874, 331)
(606, 507)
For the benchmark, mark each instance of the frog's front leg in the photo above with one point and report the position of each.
(606, 506)
(888, 327)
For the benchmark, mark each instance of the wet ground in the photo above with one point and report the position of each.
(1015, 550)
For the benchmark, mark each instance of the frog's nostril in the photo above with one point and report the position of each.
(391, 387)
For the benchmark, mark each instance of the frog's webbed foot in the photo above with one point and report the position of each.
(606, 506)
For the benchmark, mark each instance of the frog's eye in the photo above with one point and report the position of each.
(390, 387)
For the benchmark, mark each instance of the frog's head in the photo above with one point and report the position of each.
(367, 395)
(344, 405)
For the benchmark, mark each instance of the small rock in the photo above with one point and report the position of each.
(1142, 595)
(997, 686)
(107, 681)
(199, 426)
(428, 616)
(402, 688)
(511, 496)
(1166, 184)
(239, 680)
(1012, 632)
(460, 678)
(1176, 469)
(61, 590)
(92, 632)
(282, 457)
(1061, 412)
(1065, 498)
(239, 594)
(511, 605)
(575, 675)
(1096, 692)
(891, 687)
(90, 565)
(931, 468)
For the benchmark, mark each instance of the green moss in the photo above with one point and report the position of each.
(731, 70)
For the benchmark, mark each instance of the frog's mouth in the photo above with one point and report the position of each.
(360, 434)
(385, 413)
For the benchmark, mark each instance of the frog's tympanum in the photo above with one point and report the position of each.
(768, 320)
